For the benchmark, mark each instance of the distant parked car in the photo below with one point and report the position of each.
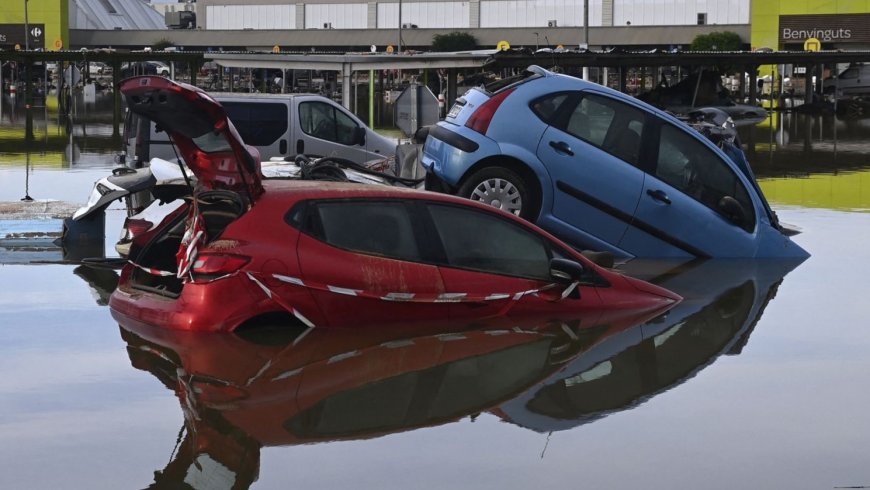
(851, 81)
(337, 254)
(602, 171)
(145, 68)
(100, 68)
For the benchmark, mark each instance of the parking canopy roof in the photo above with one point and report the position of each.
(346, 64)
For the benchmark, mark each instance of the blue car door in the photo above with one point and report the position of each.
(591, 151)
(693, 203)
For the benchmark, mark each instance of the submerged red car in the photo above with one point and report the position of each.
(337, 254)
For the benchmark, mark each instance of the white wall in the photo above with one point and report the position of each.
(536, 13)
(679, 12)
(340, 15)
(493, 14)
(445, 15)
(251, 16)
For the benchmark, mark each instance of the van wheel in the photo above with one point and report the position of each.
(501, 188)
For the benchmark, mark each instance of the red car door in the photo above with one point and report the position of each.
(361, 261)
(495, 266)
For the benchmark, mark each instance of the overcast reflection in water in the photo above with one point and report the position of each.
(755, 381)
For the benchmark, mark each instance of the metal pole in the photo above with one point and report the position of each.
(586, 35)
(372, 99)
(26, 28)
(400, 28)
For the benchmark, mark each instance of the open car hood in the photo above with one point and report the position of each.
(198, 125)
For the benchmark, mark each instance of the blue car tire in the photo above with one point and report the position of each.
(501, 188)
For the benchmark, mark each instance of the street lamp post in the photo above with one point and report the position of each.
(400, 28)
(26, 29)
(586, 35)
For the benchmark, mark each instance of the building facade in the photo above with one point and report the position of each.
(47, 24)
(261, 24)
(451, 14)
(787, 24)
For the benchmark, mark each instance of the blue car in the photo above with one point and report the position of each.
(602, 171)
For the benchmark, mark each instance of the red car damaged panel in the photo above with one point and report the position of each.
(285, 267)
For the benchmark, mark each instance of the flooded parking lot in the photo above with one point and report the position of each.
(756, 380)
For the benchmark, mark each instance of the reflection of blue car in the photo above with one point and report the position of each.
(724, 301)
(601, 170)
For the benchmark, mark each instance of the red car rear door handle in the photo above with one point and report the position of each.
(659, 195)
(562, 147)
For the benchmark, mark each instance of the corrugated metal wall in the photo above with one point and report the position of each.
(251, 16)
(679, 12)
(336, 15)
(492, 14)
(536, 13)
(425, 14)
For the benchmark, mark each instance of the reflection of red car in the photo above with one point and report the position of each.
(238, 395)
(335, 254)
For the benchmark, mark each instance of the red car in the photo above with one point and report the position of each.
(337, 254)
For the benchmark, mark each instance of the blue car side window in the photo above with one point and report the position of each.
(688, 165)
(547, 107)
(611, 125)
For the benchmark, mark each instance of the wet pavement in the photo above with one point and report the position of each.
(757, 380)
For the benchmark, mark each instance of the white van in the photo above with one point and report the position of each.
(278, 125)
(851, 81)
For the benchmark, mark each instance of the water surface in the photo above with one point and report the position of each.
(757, 380)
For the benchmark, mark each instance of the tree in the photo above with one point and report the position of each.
(162, 44)
(455, 41)
(717, 41)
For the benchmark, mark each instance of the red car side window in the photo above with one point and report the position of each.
(484, 242)
(370, 227)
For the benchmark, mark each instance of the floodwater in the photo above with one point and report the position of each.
(757, 380)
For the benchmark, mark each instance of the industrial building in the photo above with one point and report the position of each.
(355, 25)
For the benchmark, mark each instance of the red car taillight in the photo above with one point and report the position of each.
(479, 121)
(209, 264)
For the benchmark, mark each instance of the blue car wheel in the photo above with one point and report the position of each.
(501, 188)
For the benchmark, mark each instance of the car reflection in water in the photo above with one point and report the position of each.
(241, 392)
(724, 301)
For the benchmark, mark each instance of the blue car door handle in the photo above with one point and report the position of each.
(659, 195)
(562, 147)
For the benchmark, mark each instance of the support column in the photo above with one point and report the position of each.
(116, 97)
(753, 85)
(808, 84)
(193, 66)
(346, 83)
(372, 99)
(642, 79)
(28, 98)
(451, 87)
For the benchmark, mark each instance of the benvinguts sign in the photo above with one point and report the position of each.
(823, 34)
(834, 28)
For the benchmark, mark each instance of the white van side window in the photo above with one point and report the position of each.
(258, 123)
(323, 121)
